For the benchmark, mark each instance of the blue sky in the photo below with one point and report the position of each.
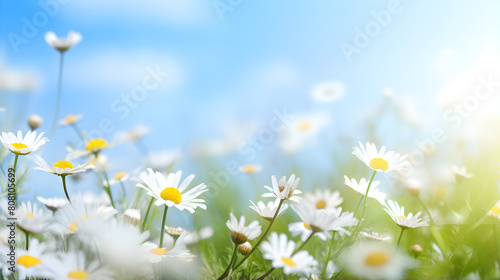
(263, 55)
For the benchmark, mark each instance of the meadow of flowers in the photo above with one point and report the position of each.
(377, 213)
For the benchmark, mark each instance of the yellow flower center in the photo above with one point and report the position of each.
(321, 204)
(63, 164)
(171, 194)
(379, 164)
(28, 261)
(71, 119)
(304, 126)
(307, 226)
(73, 227)
(78, 274)
(399, 217)
(19, 146)
(288, 261)
(120, 175)
(158, 251)
(495, 210)
(96, 144)
(30, 215)
(376, 259)
(249, 168)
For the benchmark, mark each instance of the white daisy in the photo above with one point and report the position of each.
(60, 168)
(73, 218)
(96, 145)
(495, 210)
(302, 132)
(284, 189)
(280, 251)
(377, 260)
(380, 160)
(35, 262)
(133, 135)
(72, 266)
(375, 236)
(323, 199)
(174, 249)
(268, 211)
(70, 119)
(63, 44)
(397, 214)
(32, 219)
(323, 221)
(249, 168)
(23, 146)
(363, 185)
(120, 177)
(461, 171)
(169, 192)
(328, 91)
(241, 233)
(53, 203)
(304, 230)
(120, 245)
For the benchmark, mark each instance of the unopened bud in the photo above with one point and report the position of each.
(35, 121)
(245, 248)
(132, 216)
(417, 249)
(238, 238)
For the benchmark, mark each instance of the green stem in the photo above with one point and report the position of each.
(15, 163)
(303, 244)
(435, 233)
(27, 240)
(79, 132)
(147, 213)
(359, 203)
(267, 273)
(64, 187)
(59, 90)
(229, 265)
(425, 209)
(360, 219)
(108, 189)
(261, 238)
(400, 236)
(162, 231)
(123, 190)
(329, 255)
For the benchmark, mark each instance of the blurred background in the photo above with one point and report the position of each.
(287, 86)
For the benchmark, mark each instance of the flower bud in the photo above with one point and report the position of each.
(238, 238)
(35, 121)
(245, 248)
(417, 249)
(132, 216)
